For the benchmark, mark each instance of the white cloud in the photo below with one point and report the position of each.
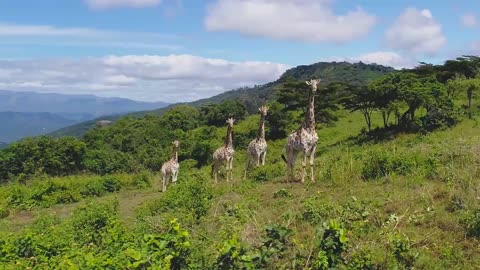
(300, 20)
(46, 30)
(417, 32)
(143, 77)
(469, 20)
(108, 4)
(391, 59)
(21, 34)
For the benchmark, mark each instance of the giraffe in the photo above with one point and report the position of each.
(224, 153)
(257, 149)
(304, 139)
(171, 167)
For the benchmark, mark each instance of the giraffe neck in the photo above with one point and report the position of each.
(261, 128)
(175, 154)
(229, 139)
(309, 121)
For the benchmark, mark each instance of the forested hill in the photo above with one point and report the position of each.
(3, 145)
(252, 97)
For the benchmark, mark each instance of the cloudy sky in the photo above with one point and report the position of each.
(179, 50)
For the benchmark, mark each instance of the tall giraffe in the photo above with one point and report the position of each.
(304, 139)
(257, 149)
(224, 153)
(171, 167)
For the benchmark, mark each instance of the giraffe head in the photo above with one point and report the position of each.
(176, 143)
(230, 122)
(313, 83)
(263, 110)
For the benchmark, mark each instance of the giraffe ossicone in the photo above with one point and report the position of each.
(171, 167)
(224, 154)
(257, 149)
(303, 140)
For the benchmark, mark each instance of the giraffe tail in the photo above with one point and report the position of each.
(283, 155)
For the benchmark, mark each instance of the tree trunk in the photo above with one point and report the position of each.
(368, 120)
(470, 97)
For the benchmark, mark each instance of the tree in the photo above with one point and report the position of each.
(182, 117)
(293, 94)
(385, 97)
(361, 99)
(217, 114)
(461, 84)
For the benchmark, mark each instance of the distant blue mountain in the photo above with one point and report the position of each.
(71, 104)
(3, 145)
(25, 114)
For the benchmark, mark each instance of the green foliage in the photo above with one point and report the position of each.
(181, 117)
(385, 162)
(471, 222)
(42, 155)
(403, 251)
(190, 200)
(45, 193)
(168, 250)
(332, 242)
(216, 114)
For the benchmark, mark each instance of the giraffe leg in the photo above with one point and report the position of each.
(215, 171)
(230, 167)
(312, 162)
(164, 182)
(247, 165)
(304, 165)
(264, 156)
(291, 166)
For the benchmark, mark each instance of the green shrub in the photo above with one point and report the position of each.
(331, 244)
(382, 162)
(111, 183)
(189, 200)
(267, 172)
(471, 222)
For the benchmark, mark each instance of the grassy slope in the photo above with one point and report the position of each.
(412, 203)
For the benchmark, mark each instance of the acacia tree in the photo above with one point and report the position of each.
(293, 94)
(385, 97)
(468, 86)
(361, 99)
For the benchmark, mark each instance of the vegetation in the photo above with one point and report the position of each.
(401, 196)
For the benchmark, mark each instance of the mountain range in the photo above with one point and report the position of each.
(24, 114)
(253, 97)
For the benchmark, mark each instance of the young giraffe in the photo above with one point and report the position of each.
(303, 139)
(224, 153)
(171, 167)
(257, 149)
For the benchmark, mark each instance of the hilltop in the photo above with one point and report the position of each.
(252, 97)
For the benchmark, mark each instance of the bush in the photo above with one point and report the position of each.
(189, 200)
(471, 222)
(382, 163)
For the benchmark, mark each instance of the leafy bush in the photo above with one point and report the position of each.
(189, 200)
(332, 242)
(471, 222)
(381, 163)
(168, 250)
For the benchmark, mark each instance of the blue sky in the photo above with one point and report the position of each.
(176, 50)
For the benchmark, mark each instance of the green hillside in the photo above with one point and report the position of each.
(253, 97)
(400, 194)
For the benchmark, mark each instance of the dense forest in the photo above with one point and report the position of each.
(397, 162)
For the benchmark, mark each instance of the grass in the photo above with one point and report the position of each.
(421, 197)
